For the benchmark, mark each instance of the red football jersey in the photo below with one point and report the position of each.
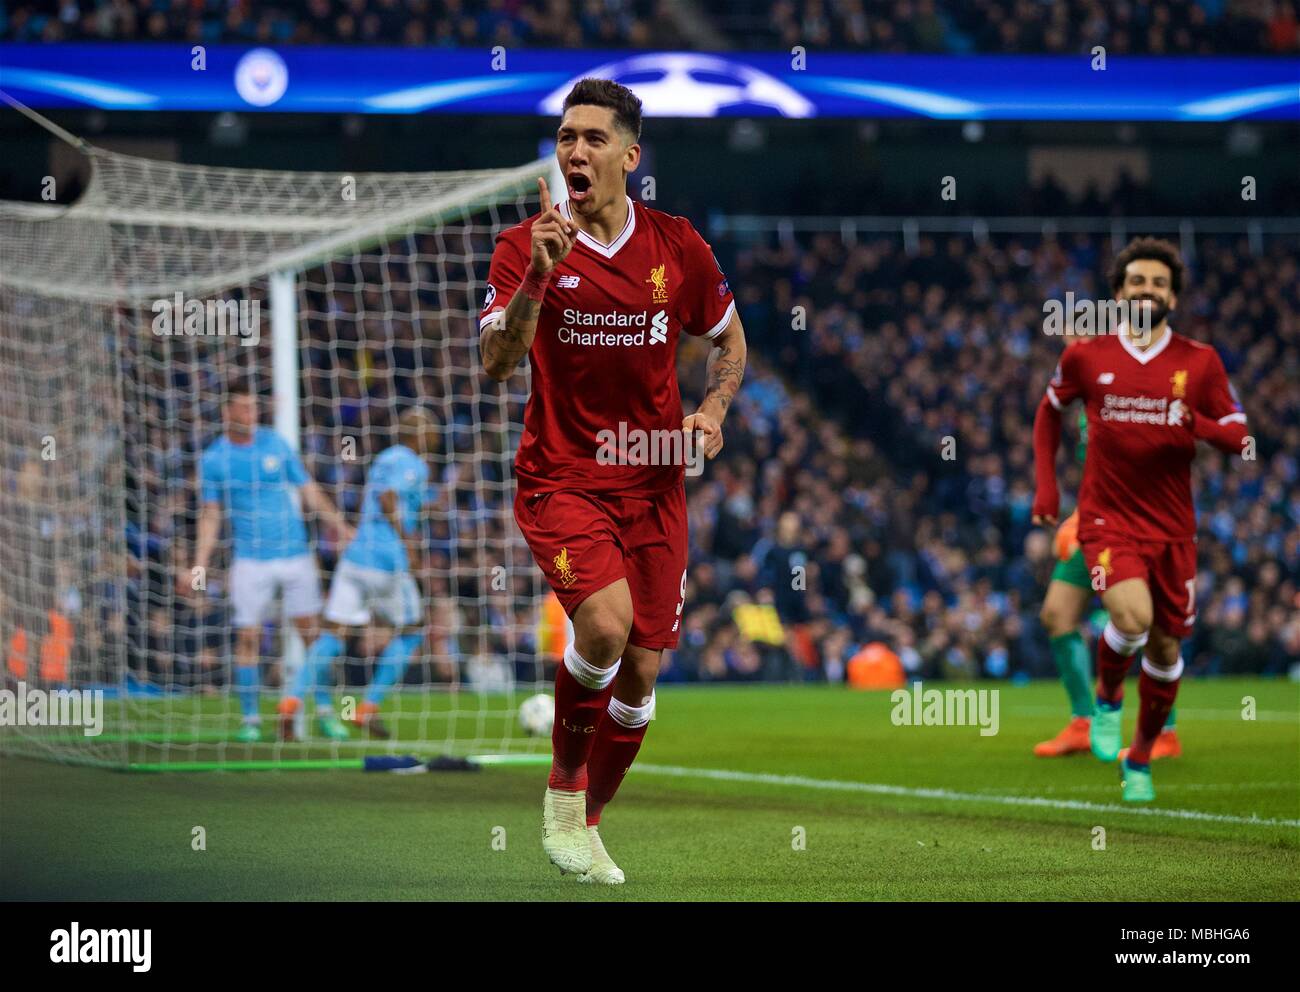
(1137, 473)
(604, 357)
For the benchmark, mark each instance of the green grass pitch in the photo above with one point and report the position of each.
(762, 792)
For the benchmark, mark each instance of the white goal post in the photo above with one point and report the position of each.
(358, 295)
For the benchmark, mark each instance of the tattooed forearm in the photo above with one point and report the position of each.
(725, 369)
(504, 342)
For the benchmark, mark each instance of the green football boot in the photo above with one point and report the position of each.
(248, 733)
(1135, 781)
(332, 727)
(1104, 734)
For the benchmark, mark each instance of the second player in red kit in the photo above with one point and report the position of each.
(1150, 396)
(596, 292)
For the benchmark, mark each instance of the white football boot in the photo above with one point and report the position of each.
(564, 830)
(603, 870)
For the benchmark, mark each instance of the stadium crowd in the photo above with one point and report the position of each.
(415, 23)
(1130, 27)
(1175, 27)
(873, 495)
(894, 462)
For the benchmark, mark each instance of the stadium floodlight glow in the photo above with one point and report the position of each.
(356, 79)
(909, 98)
(1228, 106)
(91, 92)
(427, 96)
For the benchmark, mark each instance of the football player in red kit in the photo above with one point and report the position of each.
(596, 291)
(1149, 397)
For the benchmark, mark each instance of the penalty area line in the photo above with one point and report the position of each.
(948, 795)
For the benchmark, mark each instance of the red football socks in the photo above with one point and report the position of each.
(1115, 651)
(580, 703)
(617, 742)
(1157, 690)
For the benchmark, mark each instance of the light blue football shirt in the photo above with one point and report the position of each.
(254, 483)
(399, 470)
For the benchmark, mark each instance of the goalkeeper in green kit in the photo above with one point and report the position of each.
(1068, 595)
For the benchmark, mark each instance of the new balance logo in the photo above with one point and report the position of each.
(567, 282)
(1106, 378)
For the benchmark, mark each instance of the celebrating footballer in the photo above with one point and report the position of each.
(595, 290)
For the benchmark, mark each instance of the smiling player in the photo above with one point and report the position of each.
(596, 291)
(1149, 398)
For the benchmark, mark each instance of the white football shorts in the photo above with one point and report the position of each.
(254, 583)
(357, 592)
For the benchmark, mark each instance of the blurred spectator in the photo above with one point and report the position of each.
(436, 23)
(831, 521)
(843, 474)
(1170, 27)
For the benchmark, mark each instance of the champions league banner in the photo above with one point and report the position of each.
(670, 84)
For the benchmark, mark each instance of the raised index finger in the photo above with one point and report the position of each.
(545, 193)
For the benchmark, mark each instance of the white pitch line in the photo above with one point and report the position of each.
(1165, 787)
(1262, 716)
(947, 795)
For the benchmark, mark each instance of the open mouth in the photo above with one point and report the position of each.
(579, 186)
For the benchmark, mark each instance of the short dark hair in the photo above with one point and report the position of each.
(1156, 249)
(416, 418)
(625, 104)
(239, 386)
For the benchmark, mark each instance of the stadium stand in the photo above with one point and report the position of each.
(432, 23)
(831, 522)
(1169, 27)
(839, 466)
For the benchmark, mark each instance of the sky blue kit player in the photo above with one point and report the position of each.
(251, 475)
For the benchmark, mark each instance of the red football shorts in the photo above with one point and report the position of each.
(1167, 567)
(584, 542)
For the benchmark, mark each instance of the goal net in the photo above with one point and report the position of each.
(342, 299)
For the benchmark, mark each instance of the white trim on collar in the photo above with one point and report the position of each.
(1138, 355)
(611, 249)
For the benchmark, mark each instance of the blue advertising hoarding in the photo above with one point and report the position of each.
(671, 84)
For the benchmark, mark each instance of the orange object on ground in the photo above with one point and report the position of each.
(1071, 740)
(876, 667)
(1167, 745)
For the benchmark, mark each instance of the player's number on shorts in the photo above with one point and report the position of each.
(1191, 595)
(681, 605)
